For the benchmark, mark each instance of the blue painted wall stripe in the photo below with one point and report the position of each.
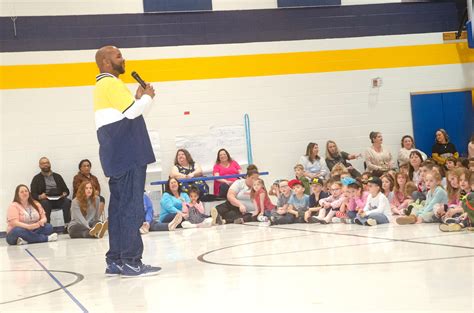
(176, 5)
(306, 3)
(43, 33)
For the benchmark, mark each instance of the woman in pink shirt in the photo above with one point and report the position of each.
(224, 166)
(27, 220)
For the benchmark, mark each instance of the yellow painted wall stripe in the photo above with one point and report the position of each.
(83, 74)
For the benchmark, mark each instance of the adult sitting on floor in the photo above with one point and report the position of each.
(150, 224)
(27, 220)
(51, 191)
(172, 203)
(85, 222)
(239, 206)
(83, 175)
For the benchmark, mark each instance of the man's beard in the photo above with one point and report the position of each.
(119, 68)
(46, 169)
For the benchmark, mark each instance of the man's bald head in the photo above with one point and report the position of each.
(110, 60)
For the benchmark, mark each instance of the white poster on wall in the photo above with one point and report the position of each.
(155, 144)
(204, 147)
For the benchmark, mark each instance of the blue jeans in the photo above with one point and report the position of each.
(352, 215)
(156, 225)
(169, 218)
(379, 217)
(31, 236)
(126, 217)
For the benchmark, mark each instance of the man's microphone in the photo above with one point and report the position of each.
(139, 79)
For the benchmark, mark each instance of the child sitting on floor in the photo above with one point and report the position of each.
(261, 200)
(299, 202)
(377, 209)
(193, 211)
(330, 205)
(437, 194)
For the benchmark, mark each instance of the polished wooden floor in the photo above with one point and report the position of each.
(250, 268)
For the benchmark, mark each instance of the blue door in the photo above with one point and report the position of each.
(452, 111)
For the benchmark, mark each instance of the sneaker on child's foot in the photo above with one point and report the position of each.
(216, 218)
(408, 210)
(20, 241)
(175, 222)
(113, 269)
(139, 270)
(206, 223)
(239, 220)
(314, 220)
(450, 227)
(145, 229)
(94, 231)
(347, 220)
(53, 237)
(358, 222)
(323, 221)
(404, 220)
(103, 230)
(450, 220)
(371, 222)
(187, 224)
(262, 218)
(336, 220)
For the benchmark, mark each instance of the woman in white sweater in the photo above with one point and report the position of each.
(377, 158)
(408, 145)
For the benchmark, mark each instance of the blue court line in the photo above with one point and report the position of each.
(59, 283)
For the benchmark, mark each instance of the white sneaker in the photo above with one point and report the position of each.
(264, 224)
(53, 237)
(187, 224)
(371, 222)
(175, 222)
(20, 241)
(206, 223)
(145, 229)
(336, 220)
(262, 218)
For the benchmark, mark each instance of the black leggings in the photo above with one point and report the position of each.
(230, 213)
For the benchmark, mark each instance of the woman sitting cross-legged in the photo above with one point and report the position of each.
(85, 214)
(150, 224)
(172, 202)
(27, 220)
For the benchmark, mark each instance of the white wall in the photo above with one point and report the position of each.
(68, 7)
(218, 5)
(84, 7)
(286, 111)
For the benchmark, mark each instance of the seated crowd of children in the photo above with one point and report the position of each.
(420, 191)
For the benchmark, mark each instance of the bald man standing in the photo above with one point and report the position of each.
(125, 150)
